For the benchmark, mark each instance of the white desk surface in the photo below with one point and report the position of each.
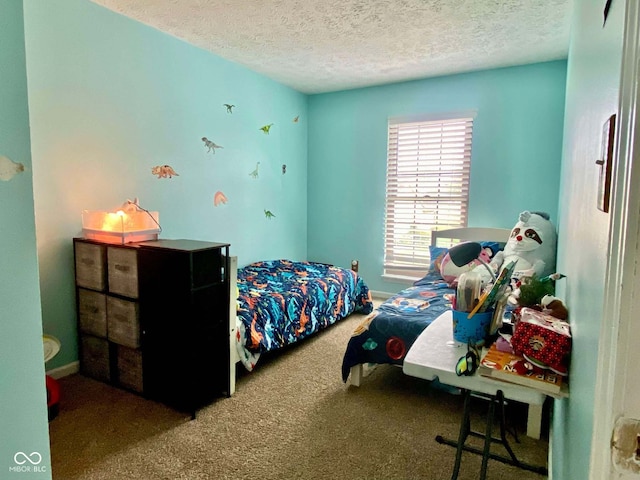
(434, 354)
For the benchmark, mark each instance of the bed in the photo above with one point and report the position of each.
(385, 336)
(281, 302)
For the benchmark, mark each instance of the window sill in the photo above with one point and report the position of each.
(400, 279)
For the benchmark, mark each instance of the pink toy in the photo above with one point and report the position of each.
(450, 272)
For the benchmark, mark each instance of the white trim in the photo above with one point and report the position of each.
(233, 311)
(429, 117)
(401, 279)
(65, 370)
(381, 295)
(618, 334)
(478, 234)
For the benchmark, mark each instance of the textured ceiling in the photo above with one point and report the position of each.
(319, 46)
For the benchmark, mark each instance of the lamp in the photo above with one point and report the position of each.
(124, 224)
(467, 252)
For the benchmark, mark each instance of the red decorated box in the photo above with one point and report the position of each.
(543, 340)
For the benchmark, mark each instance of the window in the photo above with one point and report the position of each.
(428, 165)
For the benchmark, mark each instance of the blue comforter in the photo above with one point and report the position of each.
(281, 302)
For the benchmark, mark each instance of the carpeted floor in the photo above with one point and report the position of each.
(292, 418)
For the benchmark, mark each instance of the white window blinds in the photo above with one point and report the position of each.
(428, 167)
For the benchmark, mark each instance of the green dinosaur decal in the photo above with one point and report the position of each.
(229, 107)
(266, 128)
(268, 214)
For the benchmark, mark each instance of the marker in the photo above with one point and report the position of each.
(552, 277)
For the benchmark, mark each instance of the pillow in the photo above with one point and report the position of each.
(494, 246)
(436, 254)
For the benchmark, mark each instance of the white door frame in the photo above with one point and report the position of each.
(617, 386)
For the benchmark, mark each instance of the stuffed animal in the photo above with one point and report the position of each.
(554, 307)
(532, 245)
(450, 272)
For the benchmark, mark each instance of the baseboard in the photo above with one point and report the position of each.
(65, 370)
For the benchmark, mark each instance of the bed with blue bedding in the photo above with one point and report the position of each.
(281, 302)
(386, 334)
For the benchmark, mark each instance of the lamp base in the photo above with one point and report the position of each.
(119, 238)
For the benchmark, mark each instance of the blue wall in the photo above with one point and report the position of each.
(111, 98)
(516, 154)
(584, 251)
(23, 417)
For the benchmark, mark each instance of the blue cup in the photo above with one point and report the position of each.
(472, 330)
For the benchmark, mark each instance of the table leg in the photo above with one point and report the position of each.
(503, 428)
(465, 428)
(503, 422)
(534, 421)
(487, 441)
(465, 431)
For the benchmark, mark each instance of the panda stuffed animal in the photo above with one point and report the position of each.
(532, 245)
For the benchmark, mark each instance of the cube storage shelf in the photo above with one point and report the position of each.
(153, 318)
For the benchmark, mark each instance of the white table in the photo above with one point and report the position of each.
(434, 355)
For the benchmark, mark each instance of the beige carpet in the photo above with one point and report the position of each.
(292, 418)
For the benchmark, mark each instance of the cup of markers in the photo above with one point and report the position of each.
(474, 306)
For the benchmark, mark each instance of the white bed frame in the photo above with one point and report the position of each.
(233, 311)
(479, 234)
(452, 236)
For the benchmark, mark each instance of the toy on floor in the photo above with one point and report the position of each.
(51, 349)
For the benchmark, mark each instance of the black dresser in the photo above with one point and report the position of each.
(153, 318)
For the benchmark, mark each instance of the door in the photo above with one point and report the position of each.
(617, 389)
